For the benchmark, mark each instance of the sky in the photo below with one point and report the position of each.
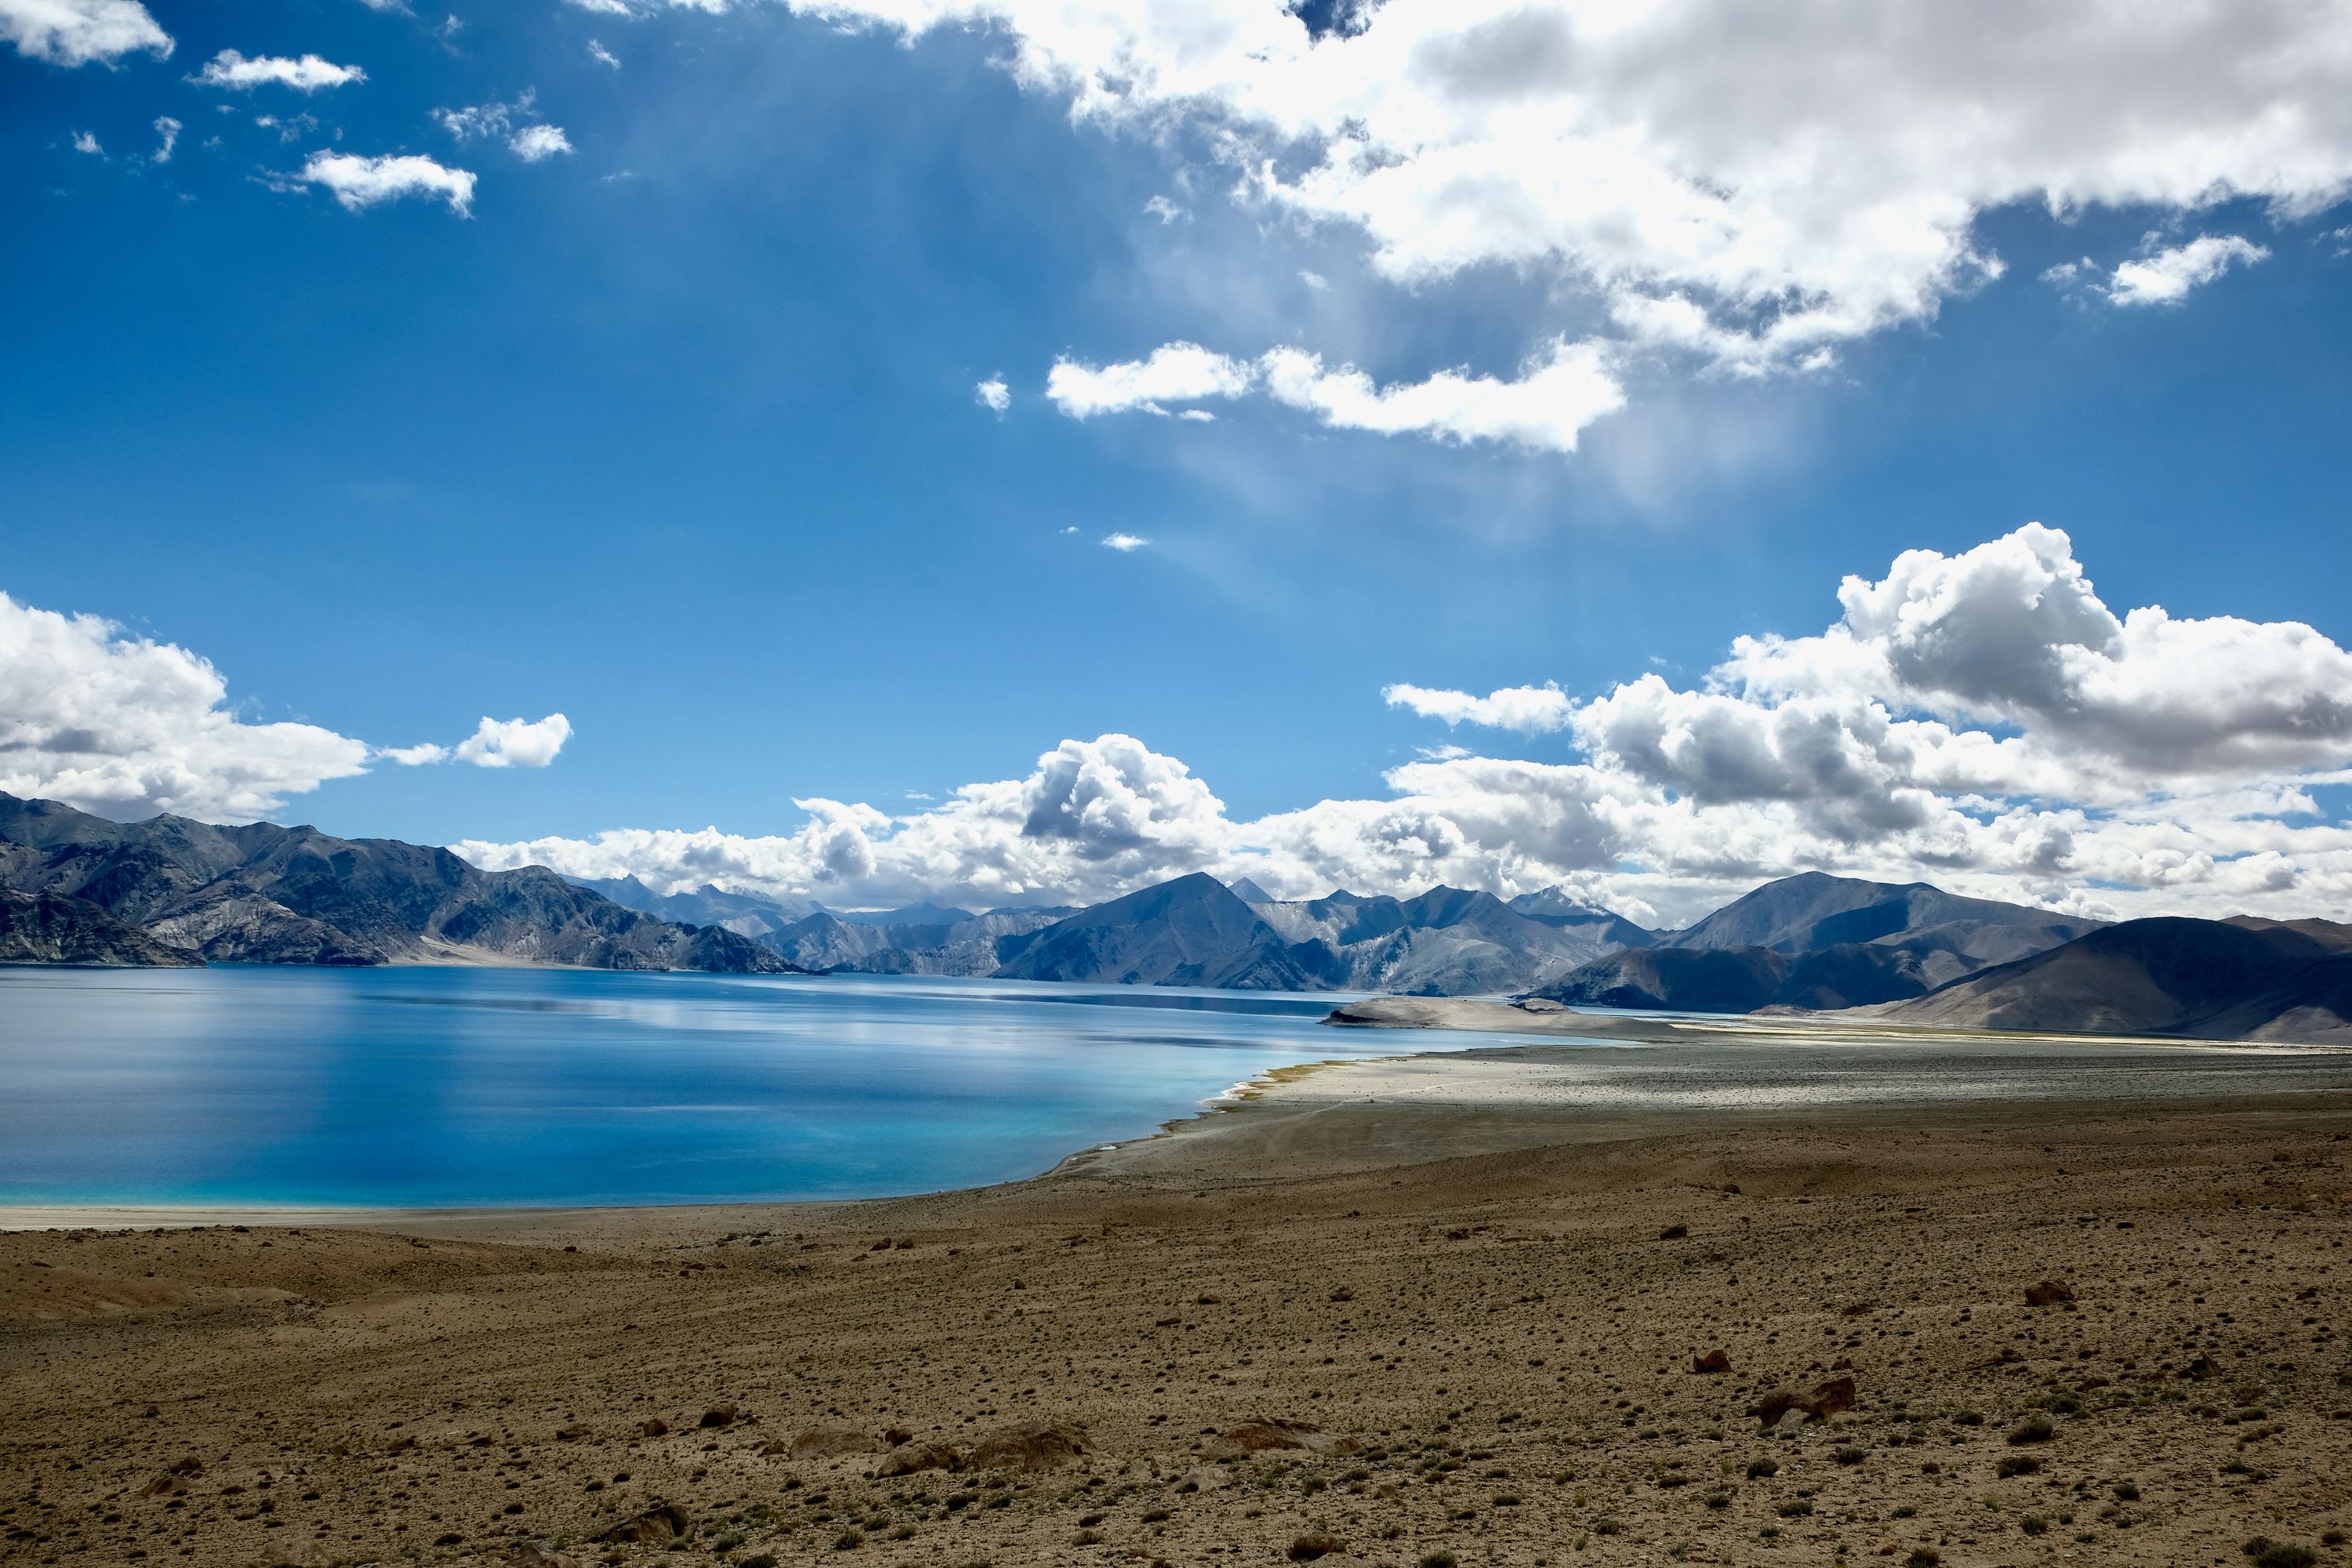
(1013, 451)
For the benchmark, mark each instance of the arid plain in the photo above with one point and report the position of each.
(1322, 1326)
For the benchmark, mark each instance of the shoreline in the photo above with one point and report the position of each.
(1417, 1306)
(1349, 1114)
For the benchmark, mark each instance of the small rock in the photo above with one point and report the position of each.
(1673, 1232)
(719, 1416)
(2048, 1293)
(657, 1427)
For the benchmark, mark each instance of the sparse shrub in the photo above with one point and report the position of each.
(1850, 1456)
(1757, 1470)
(1307, 1548)
(2033, 1429)
(2015, 1464)
(1799, 1508)
(2268, 1553)
(2033, 1524)
(1923, 1557)
(1968, 1418)
(849, 1541)
(1441, 1559)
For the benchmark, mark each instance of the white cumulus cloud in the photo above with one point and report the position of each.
(232, 71)
(167, 138)
(359, 183)
(1983, 721)
(125, 726)
(1735, 197)
(2165, 276)
(1176, 372)
(513, 742)
(78, 32)
(1529, 709)
(1124, 542)
(992, 394)
(1544, 409)
(537, 143)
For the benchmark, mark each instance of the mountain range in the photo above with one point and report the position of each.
(2244, 978)
(1816, 940)
(78, 888)
(174, 891)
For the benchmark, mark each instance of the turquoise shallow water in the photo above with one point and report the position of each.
(433, 1087)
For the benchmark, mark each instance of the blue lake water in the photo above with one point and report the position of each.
(452, 1086)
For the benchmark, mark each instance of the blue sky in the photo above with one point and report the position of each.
(675, 432)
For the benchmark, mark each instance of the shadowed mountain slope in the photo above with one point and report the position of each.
(50, 928)
(1192, 931)
(2208, 979)
(266, 894)
(1819, 942)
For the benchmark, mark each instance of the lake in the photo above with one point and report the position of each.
(462, 1086)
(455, 1087)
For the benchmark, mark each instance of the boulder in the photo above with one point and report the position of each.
(1826, 1401)
(719, 1416)
(657, 1427)
(1028, 1448)
(2048, 1293)
(908, 1458)
(1254, 1437)
(528, 1556)
(1713, 1361)
(832, 1442)
(663, 1522)
(1828, 1398)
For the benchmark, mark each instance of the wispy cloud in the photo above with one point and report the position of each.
(359, 183)
(309, 74)
(2165, 276)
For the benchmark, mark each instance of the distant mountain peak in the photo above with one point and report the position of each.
(1249, 892)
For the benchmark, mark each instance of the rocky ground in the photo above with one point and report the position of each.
(1188, 1354)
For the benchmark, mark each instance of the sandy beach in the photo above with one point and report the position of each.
(1393, 1311)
